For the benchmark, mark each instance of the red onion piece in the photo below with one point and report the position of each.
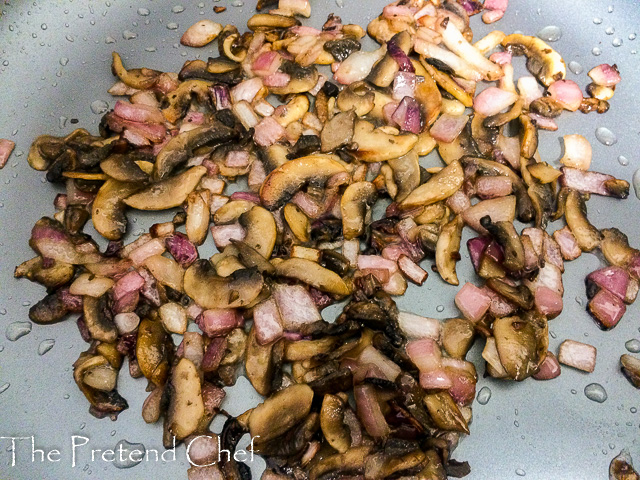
(424, 353)
(529, 89)
(412, 270)
(181, 249)
(436, 379)
(472, 302)
(459, 201)
(150, 290)
(407, 115)
(369, 411)
(401, 58)
(448, 127)
(223, 234)
(493, 100)
(267, 322)
(372, 356)
(472, 7)
(548, 276)
(567, 93)
(613, 279)
(237, 159)
(6, 147)
(135, 138)
(494, 10)
(493, 187)
(221, 96)
(219, 321)
(138, 112)
(500, 307)
(416, 327)
(374, 262)
(214, 354)
(501, 58)
(277, 79)
(548, 302)
(266, 63)
(246, 90)
(357, 66)
(605, 75)
(549, 369)
(404, 85)
(463, 385)
(568, 244)
(268, 131)
(296, 306)
(476, 247)
(607, 309)
(589, 182)
(578, 355)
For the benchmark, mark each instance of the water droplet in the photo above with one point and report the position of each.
(596, 51)
(440, 308)
(5, 63)
(612, 446)
(4, 387)
(99, 106)
(113, 433)
(633, 410)
(609, 30)
(150, 49)
(62, 122)
(520, 472)
(109, 40)
(17, 330)
(82, 425)
(178, 9)
(632, 36)
(622, 160)
(129, 35)
(573, 391)
(143, 12)
(340, 3)
(66, 396)
(64, 61)
(552, 334)
(43, 26)
(127, 448)
(172, 26)
(633, 52)
(1, 348)
(636, 182)
(45, 346)
(484, 395)
(516, 423)
(606, 136)
(597, 20)
(616, 42)
(551, 33)
(595, 392)
(237, 3)
(633, 345)
(69, 38)
(575, 67)
(610, 9)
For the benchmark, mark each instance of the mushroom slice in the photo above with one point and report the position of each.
(231, 211)
(332, 424)
(587, 236)
(209, 290)
(186, 407)
(406, 173)
(313, 274)
(445, 412)
(98, 319)
(104, 402)
(428, 96)
(631, 368)
(354, 203)
(180, 99)
(439, 187)
(107, 211)
(261, 230)
(180, 148)
(298, 222)
(269, 21)
(259, 365)
(250, 257)
(123, 168)
(528, 137)
(375, 145)
(448, 248)
(621, 467)
(142, 79)
(357, 97)
(198, 215)
(55, 275)
(341, 465)
(506, 235)
(152, 351)
(517, 346)
(168, 193)
(286, 180)
(338, 131)
(519, 295)
(542, 61)
(44, 150)
(302, 80)
(447, 83)
(280, 412)
(201, 33)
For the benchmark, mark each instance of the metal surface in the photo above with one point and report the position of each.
(55, 61)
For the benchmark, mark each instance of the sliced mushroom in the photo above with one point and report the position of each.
(287, 179)
(280, 412)
(231, 211)
(631, 369)
(298, 222)
(338, 131)
(313, 274)
(519, 295)
(357, 198)
(198, 215)
(615, 247)
(124, 168)
(107, 211)
(439, 187)
(542, 61)
(447, 250)
(44, 151)
(357, 97)
(102, 402)
(342, 464)
(152, 351)
(445, 412)
(186, 406)
(332, 423)
(98, 319)
(168, 193)
(250, 257)
(141, 79)
(181, 147)
(587, 236)
(517, 346)
(429, 97)
(528, 137)
(302, 80)
(375, 145)
(55, 275)
(269, 21)
(406, 173)
(457, 336)
(209, 290)
(259, 365)
(261, 231)
(448, 84)
(507, 236)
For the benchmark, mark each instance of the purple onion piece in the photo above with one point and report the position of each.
(181, 248)
(472, 7)
(407, 115)
(221, 96)
(400, 57)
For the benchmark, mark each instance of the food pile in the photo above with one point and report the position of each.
(375, 393)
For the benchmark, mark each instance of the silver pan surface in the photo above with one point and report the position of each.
(55, 60)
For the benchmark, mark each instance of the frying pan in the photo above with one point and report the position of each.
(55, 65)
